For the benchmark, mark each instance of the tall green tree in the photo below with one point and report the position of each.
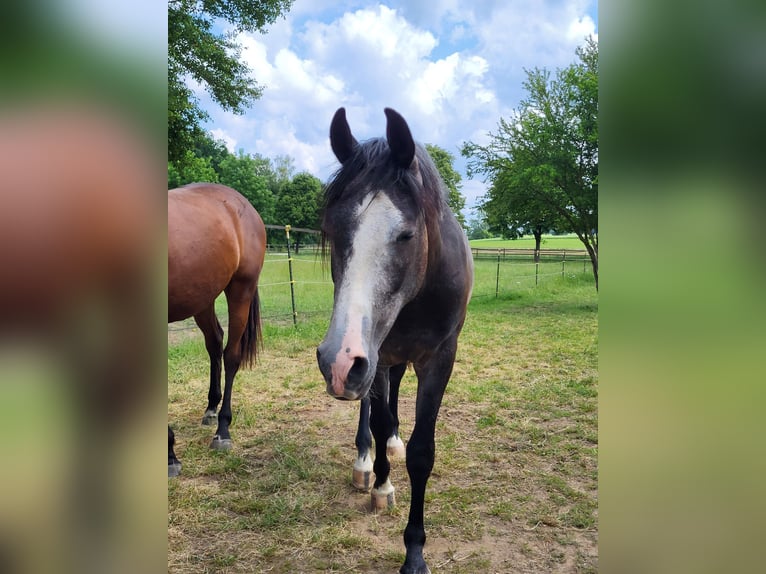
(282, 171)
(444, 163)
(477, 229)
(250, 176)
(212, 149)
(299, 203)
(196, 52)
(542, 164)
(528, 215)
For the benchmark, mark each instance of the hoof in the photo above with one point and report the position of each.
(210, 418)
(362, 479)
(363, 476)
(415, 564)
(219, 443)
(174, 469)
(382, 497)
(395, 448)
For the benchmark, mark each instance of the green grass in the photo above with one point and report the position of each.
(313, 286)
(514, 487)
(569, 241)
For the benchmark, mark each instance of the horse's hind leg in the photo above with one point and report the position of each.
(174, 465)
(239, 297)
(211, 329)
(362, 475)
(394, 445)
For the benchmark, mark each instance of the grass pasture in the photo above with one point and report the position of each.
(568, 241)
(514, 487)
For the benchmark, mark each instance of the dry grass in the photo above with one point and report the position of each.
(514, 488)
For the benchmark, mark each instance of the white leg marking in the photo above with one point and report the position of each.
(383, 496)
(363, 463)
(395, 447)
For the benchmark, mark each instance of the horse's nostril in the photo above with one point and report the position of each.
(358, 369)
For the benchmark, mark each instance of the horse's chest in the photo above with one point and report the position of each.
(413, 336)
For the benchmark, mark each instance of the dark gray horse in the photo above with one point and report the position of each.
(403, 274)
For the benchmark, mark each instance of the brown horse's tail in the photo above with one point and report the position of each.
(251, 338)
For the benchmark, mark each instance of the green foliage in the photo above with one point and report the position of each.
(542, 163)
(212, 149)
(283, 168)
(250, 175)
(196, 52)
(191, 169)
(299, 202)
(478, 229)
(258, 178)
(443, 161)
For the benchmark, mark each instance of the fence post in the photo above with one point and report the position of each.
(497, 275)
(290, 270)
(563, 259)
(537, 265)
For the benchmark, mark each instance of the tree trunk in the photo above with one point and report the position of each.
(594, 261)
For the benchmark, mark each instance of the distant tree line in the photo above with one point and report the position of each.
(280, 195)
(541, 164)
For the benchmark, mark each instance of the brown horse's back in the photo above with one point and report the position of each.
(214, 236)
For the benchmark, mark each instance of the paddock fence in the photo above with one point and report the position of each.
(296, 285)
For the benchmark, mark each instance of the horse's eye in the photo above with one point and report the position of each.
(404, 236)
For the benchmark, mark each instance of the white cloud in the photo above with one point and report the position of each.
(229, 142)
(451, 68)
(581, 28)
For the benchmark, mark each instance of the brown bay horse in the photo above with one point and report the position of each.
(216, 244)
(403, 275)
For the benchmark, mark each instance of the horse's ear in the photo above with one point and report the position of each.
(399, 139)
(341, 140)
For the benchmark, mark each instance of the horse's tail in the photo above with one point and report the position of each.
(251, 338)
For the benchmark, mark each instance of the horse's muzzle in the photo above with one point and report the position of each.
(348, 377)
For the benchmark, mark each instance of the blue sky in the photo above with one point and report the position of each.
(452, 68)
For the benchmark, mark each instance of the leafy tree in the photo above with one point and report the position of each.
(543, 162)
(212, 149)
(191, 169)
(527, 216)
(443, 161)
(299, 203)
(250, 175)
(478, 229)
(282, 170)
(196, 52)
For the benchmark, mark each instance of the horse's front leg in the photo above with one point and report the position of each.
(381, 425)
(432, 380)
